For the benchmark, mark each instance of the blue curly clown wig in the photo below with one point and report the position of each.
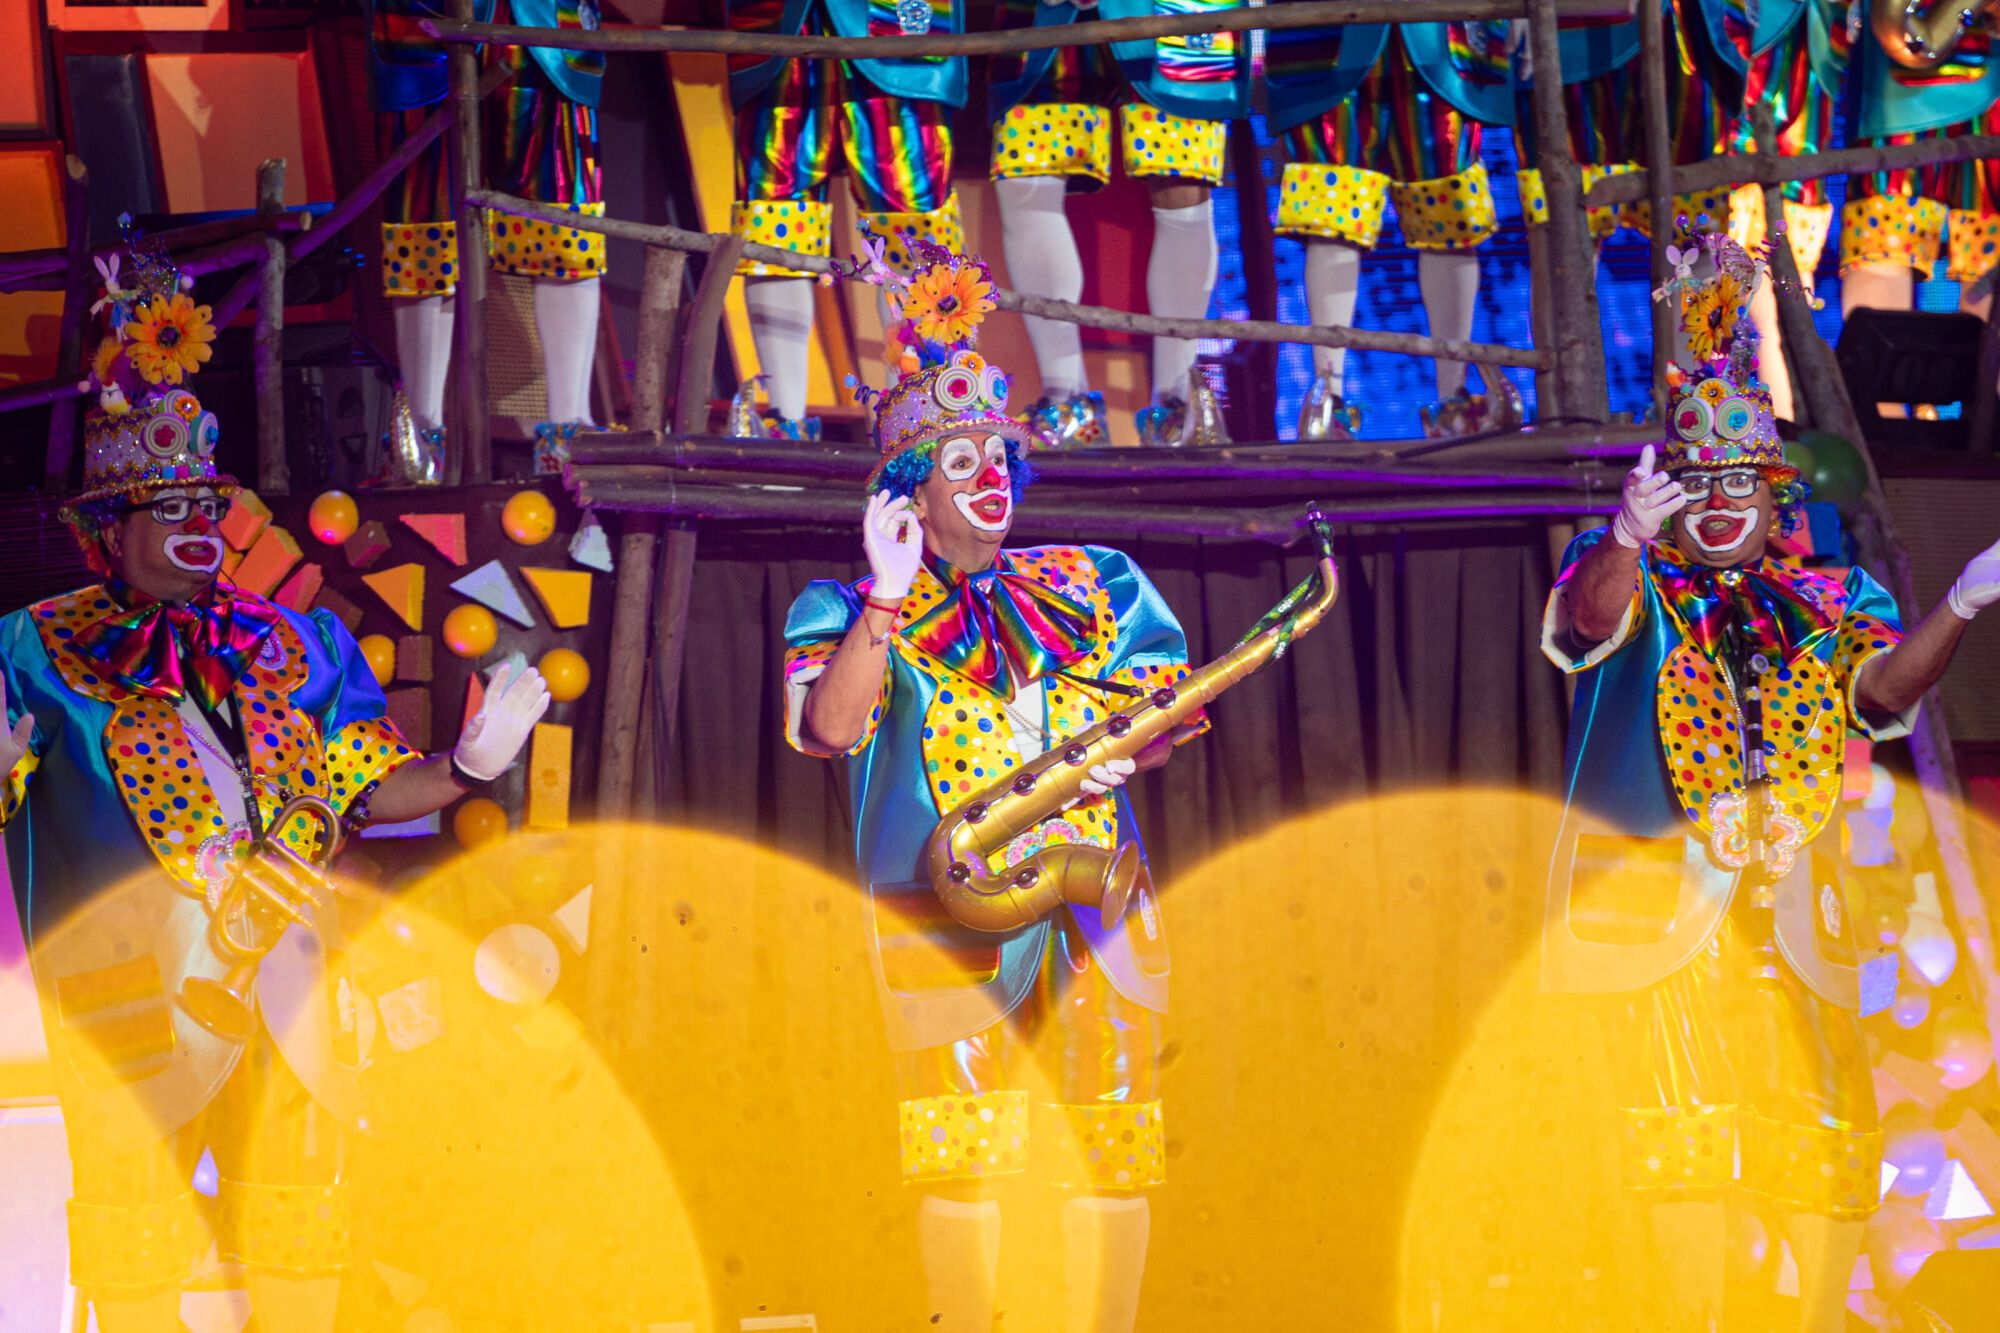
(903, 474)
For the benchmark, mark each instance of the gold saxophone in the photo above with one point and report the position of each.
(272, 888)
(1077, 873)
(1917, 39)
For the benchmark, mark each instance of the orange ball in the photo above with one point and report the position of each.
(379, 651)
(478, 821)
(566, 672)
(470, 631)
(333, 517)
(529, 518)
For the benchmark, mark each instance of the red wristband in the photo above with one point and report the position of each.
(893, 608)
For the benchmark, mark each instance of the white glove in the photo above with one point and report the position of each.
(1649, 500)
(1977, 588)
(1111, 773)
(15, 743)
(894, 540)
(493, 740)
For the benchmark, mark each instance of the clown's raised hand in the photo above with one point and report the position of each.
(1979, 586)
(1650, 498)
(893, 538)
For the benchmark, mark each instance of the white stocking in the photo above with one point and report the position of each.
(1333, 286)
(1449, 281)
(566, 320)
(1180, 277)
(423, 350)
(1104, 1263)
(960, 1243)
(1772, 367)
(781, 321)
(1042, 259)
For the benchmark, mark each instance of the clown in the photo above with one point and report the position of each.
(156, 725)
(1896, 224)
(890, 117)
(1052, 114)
(955, 661)
(1697, 876)
(541, 143)
(1374, 113)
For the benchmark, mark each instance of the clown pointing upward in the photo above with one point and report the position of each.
(1697, 878)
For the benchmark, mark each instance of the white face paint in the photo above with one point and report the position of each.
(196, 552)
(990, 505)
(1720, 531)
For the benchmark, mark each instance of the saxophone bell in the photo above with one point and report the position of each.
(958, 852)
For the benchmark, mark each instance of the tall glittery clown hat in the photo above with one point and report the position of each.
(943, 384)
(1719, 413)
(147, 430)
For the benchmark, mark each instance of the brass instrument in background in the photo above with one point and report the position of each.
(1916, 39)
(1080, 874)
(272, 888)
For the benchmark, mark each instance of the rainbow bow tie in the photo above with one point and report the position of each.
(998, 627)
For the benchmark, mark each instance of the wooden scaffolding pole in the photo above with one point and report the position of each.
(1306, 14)
(1572, 277)
(1660, 187)
(631, 611)
(274, 475)
(471, 463)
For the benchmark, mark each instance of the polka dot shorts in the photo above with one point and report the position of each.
(1341, 203)
(942, 226)
(1535, 201)
(1891, 229)
(1975, 245)
(419, 258)
(804, 225)
(537, 249)
(1071, 139)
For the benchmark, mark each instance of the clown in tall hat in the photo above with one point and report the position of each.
(157, 723)
(1697, 878)
(954, 661)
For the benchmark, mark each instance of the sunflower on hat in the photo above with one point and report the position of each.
(944, 384)
(147, 431)
(1719, 413)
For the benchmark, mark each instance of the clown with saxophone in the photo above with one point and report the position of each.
(991, 702)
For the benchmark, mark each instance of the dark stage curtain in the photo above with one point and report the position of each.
(1428, 672)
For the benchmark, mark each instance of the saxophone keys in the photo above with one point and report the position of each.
(1074, 754)
(1118, 724)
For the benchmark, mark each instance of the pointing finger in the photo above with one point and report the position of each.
(1645, 468)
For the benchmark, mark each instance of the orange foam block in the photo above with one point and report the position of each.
(246, 518)
(564, 592)
(230, 561)
(548, 777)
(265, 565)
(446, 532)
(475, 698)
(301, 588)
(402, 591)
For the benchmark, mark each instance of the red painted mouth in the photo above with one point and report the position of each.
(993, 508)
(199, 552)
(1721, 529)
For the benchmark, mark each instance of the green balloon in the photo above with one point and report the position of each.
(1835, 470)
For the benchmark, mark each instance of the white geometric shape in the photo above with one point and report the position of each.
(412, 1014)
(1956, 1197)
(517, 964)
(573, 919)
(1889, 1173)
(590, 547)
